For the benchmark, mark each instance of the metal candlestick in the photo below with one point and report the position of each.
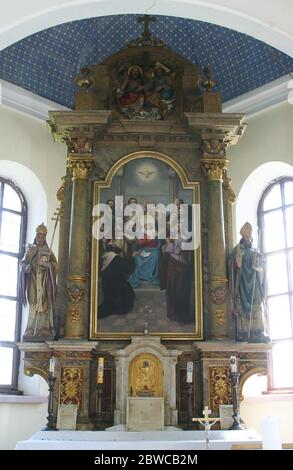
(98, 417)
(51, 422)
(236, 426)
(189, 404)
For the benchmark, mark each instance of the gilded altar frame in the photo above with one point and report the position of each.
(197, 333)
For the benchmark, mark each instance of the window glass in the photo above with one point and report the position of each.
(274, 238)
(279, 317)
(289, 224)
(277, 276)
(288, 192)
(11, 199)
(12, 239)
(7, 319)
(273, 199)
(10, 231)
(8, 275)
(283, 364)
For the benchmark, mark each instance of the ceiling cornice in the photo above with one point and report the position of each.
(262, 98)
(252, 103)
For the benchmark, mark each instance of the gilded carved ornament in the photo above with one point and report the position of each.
(62, 137)
(84, 80)
(76, 278)
(71, 386)
(208, 83)
(228, 188)
(220, 316)
(74, 314)
(214, 147)
(80, 144)
(218, 295)
(214, 167)
(220, 389)
(80, 168)
(60, 195)
(32, 370)
(75, 294)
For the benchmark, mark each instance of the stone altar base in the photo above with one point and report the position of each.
(145, 414)
(169, 439)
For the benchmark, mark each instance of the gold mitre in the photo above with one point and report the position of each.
(42, 229)
(246, 230)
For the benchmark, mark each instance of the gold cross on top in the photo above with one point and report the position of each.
(146, 20)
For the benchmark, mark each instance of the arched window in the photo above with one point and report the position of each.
(13, 219)
(275, 218)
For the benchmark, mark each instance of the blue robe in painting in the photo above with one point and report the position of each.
(146, 262)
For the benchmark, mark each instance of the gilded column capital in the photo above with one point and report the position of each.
(80, 166)
(214, 167)
(231, 196)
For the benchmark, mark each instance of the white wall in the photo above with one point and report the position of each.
(254, 409)
(264, 153)
(30, 158)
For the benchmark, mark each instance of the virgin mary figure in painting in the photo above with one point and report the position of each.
(146, 254)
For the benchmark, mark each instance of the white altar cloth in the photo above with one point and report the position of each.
(122, 440)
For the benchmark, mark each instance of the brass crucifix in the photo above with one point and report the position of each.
(146, 20)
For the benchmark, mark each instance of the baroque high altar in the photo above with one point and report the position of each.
(146, 126)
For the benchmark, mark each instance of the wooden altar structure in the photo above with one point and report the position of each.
(186, 131)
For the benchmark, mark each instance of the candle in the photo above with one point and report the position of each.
(270, 431)
(189, 372)
(233, 364)
(100, 371)
(52, 365)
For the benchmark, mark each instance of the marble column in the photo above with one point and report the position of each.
(80, 163)
(214, 164)
(64, 224)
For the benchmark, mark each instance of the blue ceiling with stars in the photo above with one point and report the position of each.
(46, 63)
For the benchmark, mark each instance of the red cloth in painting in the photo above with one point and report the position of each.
(147, 242)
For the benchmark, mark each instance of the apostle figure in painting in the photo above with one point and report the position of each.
(177, 280)
(38, 287)
(117, 293)
(248, 288)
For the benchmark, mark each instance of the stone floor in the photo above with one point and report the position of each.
(134, 321)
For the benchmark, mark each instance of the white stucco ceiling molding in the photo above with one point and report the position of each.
(267, 20)
(262, 98)
(252, 103)
(25, 102)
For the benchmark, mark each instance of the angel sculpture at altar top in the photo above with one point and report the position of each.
(248, 288)
(38, 287)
